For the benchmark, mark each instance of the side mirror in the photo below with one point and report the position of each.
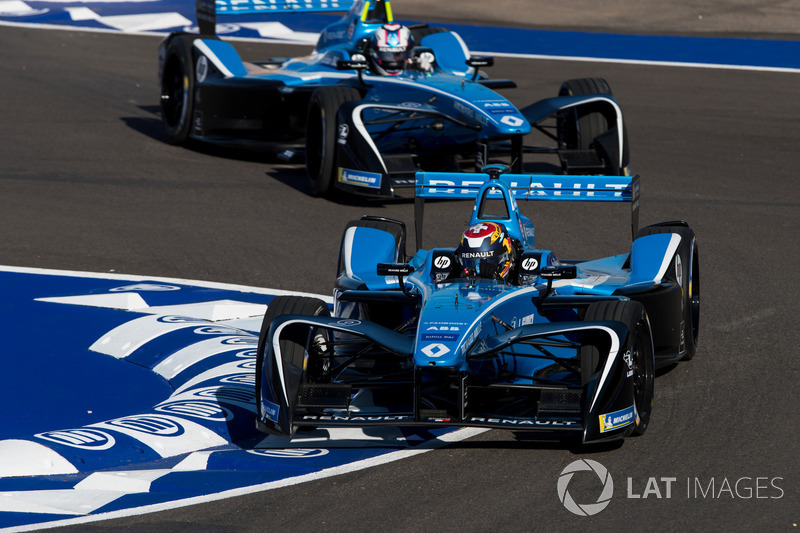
(397, 269)
(359, 65)
(479, 61)
(394, 269)
(345, 64)
(557, 272)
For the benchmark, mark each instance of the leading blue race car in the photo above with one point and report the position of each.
(376, 102)
(492, 333)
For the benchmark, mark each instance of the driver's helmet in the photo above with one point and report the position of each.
(390, 48)
(486, 251)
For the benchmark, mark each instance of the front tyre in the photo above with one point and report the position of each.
(297, 348)
(321, 136)
(177, 89)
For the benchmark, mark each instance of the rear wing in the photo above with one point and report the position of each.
(207, 10)
(541, 187)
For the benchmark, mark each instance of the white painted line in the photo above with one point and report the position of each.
(139, 278)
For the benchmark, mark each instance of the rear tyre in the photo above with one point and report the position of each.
(640, 344)
(294, 347)
(177, 89)
(321, 135)
(686, 272)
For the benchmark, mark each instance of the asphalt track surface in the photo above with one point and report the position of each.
(88, 183)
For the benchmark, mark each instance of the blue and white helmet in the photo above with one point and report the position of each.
(391, 49)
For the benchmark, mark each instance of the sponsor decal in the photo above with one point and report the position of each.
(197, 409)
(344, 130)
(85, 438)
(291, 453)
(628, 358)
(175, 319)
(530, 263)
(145, 287)
(471, 339)
(468, 113)
(442, 262)
(201, 69)
(512, 121)
(215, 330)
(519, 422)
(524, 321)
(241, 396)
(447, 337)
(617, 419)
(435, 350)
(270, 410)
(378, 418)
(240, 379)
(345, 322)
(150, 424)
(232, 6)
(577, 190)
(477, 255)
(359, 178)
(443, 328)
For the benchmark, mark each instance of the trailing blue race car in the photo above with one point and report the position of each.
(492, 333)
(376, 102)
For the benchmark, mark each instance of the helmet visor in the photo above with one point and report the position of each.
(493, 267)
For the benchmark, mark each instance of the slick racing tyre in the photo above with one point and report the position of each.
(177, 88)
(321, 136)
(686, 272)
(640, 344)
(295, 347)
(292, 348)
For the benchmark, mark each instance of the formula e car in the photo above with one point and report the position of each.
(365, 129)
(545, 344)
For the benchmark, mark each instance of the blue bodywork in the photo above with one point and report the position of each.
(446, 349)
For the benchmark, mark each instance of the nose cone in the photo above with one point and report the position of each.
(512, 124)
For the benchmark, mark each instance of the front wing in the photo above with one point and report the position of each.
(595, 403)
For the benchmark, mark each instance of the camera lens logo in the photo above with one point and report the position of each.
(585, 509)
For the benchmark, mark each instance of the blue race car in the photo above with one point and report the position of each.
(376, 102)
(491, 333)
